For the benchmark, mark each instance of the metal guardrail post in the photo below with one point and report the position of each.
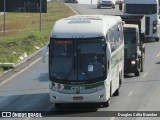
(4, 26)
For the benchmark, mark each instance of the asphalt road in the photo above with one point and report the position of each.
(28, 89)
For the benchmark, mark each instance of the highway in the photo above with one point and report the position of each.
(28, 89)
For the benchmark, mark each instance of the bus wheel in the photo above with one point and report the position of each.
(157, 39)
(137, 73)
(142, 64)
(113, 6)
(106, 104)
(58, 105)
(116, 93)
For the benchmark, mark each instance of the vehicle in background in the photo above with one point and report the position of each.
(133, 53)
(134, 37)
(71, 1)
(86, 64)
(149, 8)
(119, 1)
(106, 3)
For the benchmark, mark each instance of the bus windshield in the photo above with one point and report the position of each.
(141, 8)
(77, 59)
(129, 37)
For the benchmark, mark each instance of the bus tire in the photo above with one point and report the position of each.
(58, 105)
(116, 93)
(113, 6)
(121, 79)
(137, 73)
(142, 64)
(106, 104)
(157, 39)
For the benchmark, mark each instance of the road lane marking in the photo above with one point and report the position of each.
(158, 55)
(130, 93)
(145, 74)
(112, 118)
(27, 118)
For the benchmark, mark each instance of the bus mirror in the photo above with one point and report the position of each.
(44, 51)
(120, 6)
(123, 23)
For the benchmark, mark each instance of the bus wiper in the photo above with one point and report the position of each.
(86, 73)
(72, 68)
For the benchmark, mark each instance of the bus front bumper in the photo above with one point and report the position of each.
(100, 96)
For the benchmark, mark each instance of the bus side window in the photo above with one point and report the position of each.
(117, 36)
(112, 39)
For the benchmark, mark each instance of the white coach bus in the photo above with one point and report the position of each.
(149, 8)
(86, 59)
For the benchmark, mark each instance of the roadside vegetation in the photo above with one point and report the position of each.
(23, 36)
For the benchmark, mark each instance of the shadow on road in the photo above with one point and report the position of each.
(100, 8)
(128, 75)
(43, 77)
(73, 110)
(39, 103)
(25, 102)
(158, 62)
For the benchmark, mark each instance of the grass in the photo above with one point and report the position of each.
(23, 34)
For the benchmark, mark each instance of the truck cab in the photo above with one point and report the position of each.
(133, 53)
(149, 8)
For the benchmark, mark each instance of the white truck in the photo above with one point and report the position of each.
(149, 8)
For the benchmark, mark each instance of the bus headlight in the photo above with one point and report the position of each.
(133, 62)
(99, 88)
(154, 26)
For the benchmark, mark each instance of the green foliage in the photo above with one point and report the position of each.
(23, 34)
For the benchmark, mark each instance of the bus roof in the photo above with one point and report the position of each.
(84, 26)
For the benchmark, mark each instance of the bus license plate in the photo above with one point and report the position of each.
(78, 98)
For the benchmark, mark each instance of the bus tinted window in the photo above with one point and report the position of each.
(77, 59)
